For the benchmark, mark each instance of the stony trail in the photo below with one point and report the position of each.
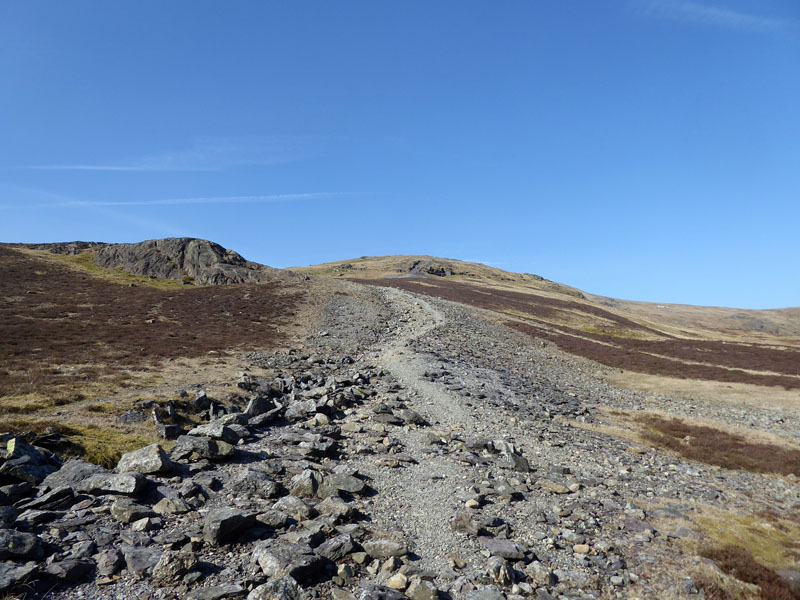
(410, 448)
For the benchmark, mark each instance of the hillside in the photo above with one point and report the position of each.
(752, 347)
(302, 437)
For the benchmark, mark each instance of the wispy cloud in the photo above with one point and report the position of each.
(707, 14)
(205, 154)
(258, 199)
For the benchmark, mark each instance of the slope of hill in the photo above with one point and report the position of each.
(760, 347)
(343, 440)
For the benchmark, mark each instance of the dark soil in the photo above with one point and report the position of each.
(669, 356)
(52, 315)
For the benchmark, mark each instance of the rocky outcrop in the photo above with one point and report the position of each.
(189, 259)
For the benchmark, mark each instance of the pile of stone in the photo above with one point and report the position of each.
(259, 502)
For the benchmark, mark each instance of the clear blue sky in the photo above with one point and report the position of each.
(642, 149)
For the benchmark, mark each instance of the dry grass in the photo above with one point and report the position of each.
(771, 538)
(711, 391)
(716, 447)
(78, 342)
(737, 562)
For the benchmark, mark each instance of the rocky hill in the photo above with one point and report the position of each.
(397, 446)
(189, 259)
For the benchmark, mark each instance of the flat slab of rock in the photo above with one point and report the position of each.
(384, 548)
(503, 548)
(150, 459)
(189, 447)
(113, 483)
(126, 510)
(216, 430)
(12, 575)
(347, 483)
(283, 588)
(140, 561)
(72, 474)
(278, 558)
(223, 525)
(216, 592)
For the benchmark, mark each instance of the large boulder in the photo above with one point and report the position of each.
(150, 459)
(72, 474)
(278, 558)
(113, 483)
(189, 447)
(223, 525)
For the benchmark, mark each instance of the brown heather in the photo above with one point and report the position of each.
(716, 447)
(52, 316)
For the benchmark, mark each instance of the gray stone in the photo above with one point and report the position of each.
(305, 484)
(108, 562)
(204, 262)
(217, 430)
(294, 507)
(283, 588)
(131, 417)
(126, 510)
(792, 579)
(421, 589)
(23, 469)
(140, 561)
(252, 482)
(58, 498)
(486, 593)
(113, 483)
(17, 545)
(336, 547)
(172, 566)
(72, 474)
(192, 448)
(278, 558)
(503, 548)
(223, 525)
(384, 548)
(379, 592)
(347, 483)
(70, 570)
(150, 459)
(12, 575)
(217, 592)
(8, 514)
(171, 506)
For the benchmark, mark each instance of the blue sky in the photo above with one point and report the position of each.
(642, 149)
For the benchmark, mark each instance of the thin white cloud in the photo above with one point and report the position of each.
(707, 14)
(259, 199)
(206, 154)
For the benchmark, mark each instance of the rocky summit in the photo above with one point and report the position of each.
(405, 446)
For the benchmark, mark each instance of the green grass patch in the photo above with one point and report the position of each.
(85, 262)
